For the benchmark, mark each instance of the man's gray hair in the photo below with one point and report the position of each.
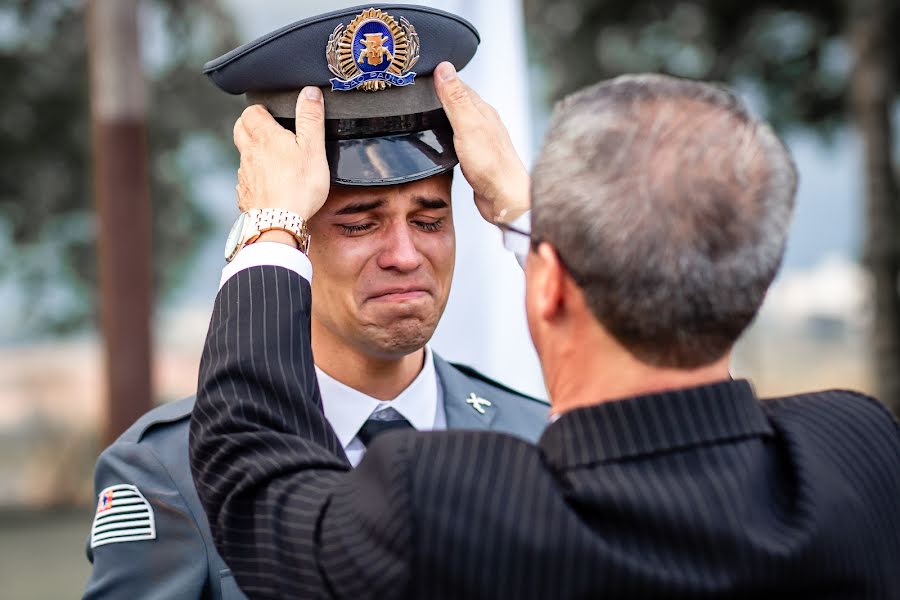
(669, 205)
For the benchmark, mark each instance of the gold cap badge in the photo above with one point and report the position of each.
(373, 52)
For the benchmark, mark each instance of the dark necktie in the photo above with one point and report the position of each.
(381, 421)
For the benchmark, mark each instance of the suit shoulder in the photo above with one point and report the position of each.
(458, 455)
(172, 415)
(829, 405)
(498, 389)
(846, 415)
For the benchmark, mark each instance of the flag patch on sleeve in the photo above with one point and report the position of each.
(123, 515)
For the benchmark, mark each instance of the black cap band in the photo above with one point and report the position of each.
(354, 129)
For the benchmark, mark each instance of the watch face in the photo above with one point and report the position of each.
(232, 244)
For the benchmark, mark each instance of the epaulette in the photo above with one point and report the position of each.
(170, 412)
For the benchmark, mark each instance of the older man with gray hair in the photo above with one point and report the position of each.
(669, 206)
(660, 212)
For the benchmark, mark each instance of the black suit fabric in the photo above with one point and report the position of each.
(699, 493)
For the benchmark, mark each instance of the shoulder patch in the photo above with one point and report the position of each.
(467, 370)
(123, 515)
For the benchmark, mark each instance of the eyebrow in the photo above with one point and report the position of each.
(432, 203)
(360, 207)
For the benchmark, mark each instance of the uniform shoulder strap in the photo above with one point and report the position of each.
(170, 412)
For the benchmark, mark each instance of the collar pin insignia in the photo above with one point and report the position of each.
(478, 403)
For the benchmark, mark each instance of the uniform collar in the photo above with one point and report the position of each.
(654, 423)
(457, 392)
(347, 409)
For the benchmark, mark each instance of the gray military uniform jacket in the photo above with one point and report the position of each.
(153, 540)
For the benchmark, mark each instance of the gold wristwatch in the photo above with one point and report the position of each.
(251, 224)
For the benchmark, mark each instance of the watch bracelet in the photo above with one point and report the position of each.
(268, 219)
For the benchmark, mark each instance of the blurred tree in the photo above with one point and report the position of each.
(873, 95)
(794, 58)
(47, 214)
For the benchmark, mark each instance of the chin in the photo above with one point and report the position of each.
(401, 336)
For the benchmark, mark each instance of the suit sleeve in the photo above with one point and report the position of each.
(173, 564)
(287, 514)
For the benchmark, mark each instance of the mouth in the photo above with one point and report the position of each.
(398, 294)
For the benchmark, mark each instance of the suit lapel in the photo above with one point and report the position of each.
(457, 389)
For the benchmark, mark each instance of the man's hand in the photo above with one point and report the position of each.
(280, 169)
(486, 154)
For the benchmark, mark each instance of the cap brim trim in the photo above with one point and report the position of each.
(391, 160)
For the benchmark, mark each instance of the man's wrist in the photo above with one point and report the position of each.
(514, 203)
(511, 212)
(278, 235)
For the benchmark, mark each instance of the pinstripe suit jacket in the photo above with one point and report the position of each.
(703, 492)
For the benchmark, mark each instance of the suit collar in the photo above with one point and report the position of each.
(654, 423)
(457, 388)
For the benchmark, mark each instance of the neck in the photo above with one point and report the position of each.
(598, 369)
(380, 377)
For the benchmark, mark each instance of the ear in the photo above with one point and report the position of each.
(547, 276)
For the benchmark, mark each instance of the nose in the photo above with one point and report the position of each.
(400, 252)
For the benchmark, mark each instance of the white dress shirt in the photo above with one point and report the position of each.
(347, 409)
(268, 253)
(523, 223)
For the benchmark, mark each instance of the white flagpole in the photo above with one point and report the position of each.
(484, 325)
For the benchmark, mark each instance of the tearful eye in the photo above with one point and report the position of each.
(350, 229)
(430, 225)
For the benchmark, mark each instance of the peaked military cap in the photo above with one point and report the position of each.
(384, 124)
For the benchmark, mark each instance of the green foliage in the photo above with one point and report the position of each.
(788, 56)
(47, 219)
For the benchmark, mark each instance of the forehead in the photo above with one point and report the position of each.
(430, 187)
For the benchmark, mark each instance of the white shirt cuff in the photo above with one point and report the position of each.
(268, 253)
(523, 223)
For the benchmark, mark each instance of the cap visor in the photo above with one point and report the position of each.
(393, 159)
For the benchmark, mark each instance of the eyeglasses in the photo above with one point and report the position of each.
(516, 241)
(521, 242)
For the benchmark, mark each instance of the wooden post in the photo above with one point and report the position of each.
(118, 108)
(872, 98)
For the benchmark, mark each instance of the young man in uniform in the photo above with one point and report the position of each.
(383, 257)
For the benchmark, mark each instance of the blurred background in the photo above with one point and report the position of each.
(117, 183)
